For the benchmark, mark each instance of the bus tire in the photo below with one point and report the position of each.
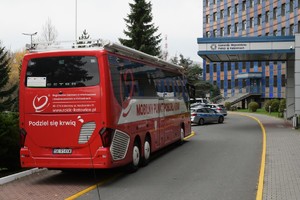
(181, 141)
(147, 151)
(136, 158)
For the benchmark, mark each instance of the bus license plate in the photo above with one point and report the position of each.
(62, 151)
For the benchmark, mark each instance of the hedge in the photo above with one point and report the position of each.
(9, 141)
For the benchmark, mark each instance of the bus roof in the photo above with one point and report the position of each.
(103, 45)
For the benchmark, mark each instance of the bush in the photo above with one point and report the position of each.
(282, 105)
(275, 105)
(9, 141)
(253, 106)
(267, 104)
(228, 105)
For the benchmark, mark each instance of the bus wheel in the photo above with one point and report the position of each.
(136, 158)
(181, 136)
(147, 151)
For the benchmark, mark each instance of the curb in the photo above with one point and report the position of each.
(260, 185)
(13, 177)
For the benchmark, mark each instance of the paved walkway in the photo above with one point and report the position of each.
(282, 170)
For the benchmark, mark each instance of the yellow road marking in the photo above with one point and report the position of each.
(260, 187)
(92, 187)
(188, 137)
(107, 180)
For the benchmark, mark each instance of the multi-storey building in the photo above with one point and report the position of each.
(257, 18)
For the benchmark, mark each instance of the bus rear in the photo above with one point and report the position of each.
(60, 110)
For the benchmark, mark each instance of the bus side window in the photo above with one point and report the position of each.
(147, 83)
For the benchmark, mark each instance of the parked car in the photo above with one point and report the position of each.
(217, 107)
(196, 105)
(203, 115)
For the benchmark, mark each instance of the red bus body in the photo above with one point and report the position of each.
(93, 118)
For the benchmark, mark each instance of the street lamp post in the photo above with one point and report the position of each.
(31, 35)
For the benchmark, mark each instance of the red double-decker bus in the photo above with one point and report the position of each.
(99, 107)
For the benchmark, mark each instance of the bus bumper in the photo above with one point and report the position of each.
(101, 160)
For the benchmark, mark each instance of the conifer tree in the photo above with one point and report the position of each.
(6, 101)
(140, 29)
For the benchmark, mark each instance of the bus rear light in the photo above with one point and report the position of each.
(23, 134)
(106, 136)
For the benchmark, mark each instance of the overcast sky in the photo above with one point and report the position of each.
(181, 21)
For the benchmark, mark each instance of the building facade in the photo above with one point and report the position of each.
(244, 18)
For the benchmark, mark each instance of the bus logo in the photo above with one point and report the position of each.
(40, 103)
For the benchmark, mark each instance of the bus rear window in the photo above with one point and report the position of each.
(61, 72)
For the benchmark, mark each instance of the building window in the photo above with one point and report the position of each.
(251, 22)
(214, 2)
(229, 30)
(236, 8)
(267, 17)
(259, 22)
(215, 17)
(236, 27)
(267, 82)
(215, 33)
(207, 19)
(275, 81)
(222, 32)
(267, 34)
(283, 31)
(244, 7)
(258, 1)
(292, 6)
(275, 13)
(229, 11)
(283, 9)
(229, 84)
(222, 14)
(283, 80)
(207, 68)
(275, 33)
(215, 67)
(244, 25)
(207, 34)
(207, 3)
(251, 3)
(292, 29)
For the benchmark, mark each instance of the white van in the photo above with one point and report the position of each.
(199, 102)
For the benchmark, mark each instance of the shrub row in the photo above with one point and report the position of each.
(9, 141)
(275, 105)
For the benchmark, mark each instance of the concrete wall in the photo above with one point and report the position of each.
(297, 74)
(290, 89)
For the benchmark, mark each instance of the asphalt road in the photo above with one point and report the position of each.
(220, 162)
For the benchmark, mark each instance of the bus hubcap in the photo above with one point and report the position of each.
(136, 156)
(147, 150)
